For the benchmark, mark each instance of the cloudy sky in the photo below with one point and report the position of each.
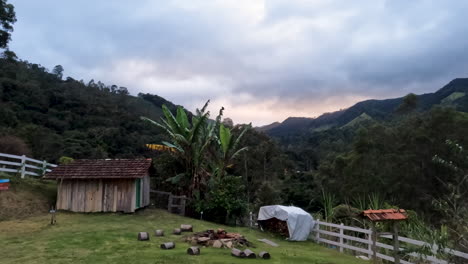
(262, 60)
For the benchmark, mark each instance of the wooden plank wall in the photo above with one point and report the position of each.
(96, 195)
(145, 191)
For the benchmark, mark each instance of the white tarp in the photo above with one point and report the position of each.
(300, 223)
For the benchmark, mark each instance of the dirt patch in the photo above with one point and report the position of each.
(26, 197)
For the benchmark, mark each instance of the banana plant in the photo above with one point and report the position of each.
(229, 148)
(189, 140)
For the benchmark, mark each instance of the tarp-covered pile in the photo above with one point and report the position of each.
(298, 221)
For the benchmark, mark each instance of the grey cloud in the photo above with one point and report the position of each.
(296, 51)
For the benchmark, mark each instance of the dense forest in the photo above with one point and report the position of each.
(406, 152)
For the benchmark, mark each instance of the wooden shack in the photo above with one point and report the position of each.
(110, 185)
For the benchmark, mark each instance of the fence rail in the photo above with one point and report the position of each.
(24, 165)
(363, 241)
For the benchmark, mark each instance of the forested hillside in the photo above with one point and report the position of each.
(453, 95)
(56, 117)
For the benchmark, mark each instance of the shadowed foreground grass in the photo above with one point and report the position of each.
(112, 238)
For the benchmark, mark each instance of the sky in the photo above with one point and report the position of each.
(263, 60)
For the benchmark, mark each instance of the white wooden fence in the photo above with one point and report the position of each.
(24, 165)
(361, 240)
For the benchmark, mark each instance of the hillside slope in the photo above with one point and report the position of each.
(26, 197)
(453, 94)
(58, 117)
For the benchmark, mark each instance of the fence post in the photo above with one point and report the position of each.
(396, 243)
(44, 168)
(341, 237)
(23, 166)
(374, 243)
(369, 246)
(169, 204)
(317, 234)
(182, 205)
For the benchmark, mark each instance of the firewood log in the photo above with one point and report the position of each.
(249, 254)
(143, 236)
(264, 255)
(193, 251)
(237, 253)
(168, 245)
(186, 228)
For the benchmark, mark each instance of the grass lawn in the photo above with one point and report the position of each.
(112, 238)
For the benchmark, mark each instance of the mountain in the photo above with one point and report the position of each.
(453, 94)
(55, 117)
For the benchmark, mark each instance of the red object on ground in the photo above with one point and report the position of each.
(385, 214)
(4, 186)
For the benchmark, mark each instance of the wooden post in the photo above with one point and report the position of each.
(169, 204)
(369, 246)
(374, 243)
(44, 168)
(317, 229)
(396, 243)
(341, 237)
(182, 205)
(23, 166)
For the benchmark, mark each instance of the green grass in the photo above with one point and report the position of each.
(112, 238)
(454, 96)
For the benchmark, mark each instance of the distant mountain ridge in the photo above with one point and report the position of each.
(453, 94)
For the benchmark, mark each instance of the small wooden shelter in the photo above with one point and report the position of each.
(109, 185)
(387, 215)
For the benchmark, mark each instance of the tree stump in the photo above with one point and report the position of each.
(264, 255)
(159, 232)
(186, 228)
(168, 245)
(143, 236)
(237, 253)
(249, 254)
(177, 231)
(193, 251)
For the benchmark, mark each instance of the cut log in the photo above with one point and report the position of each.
(217, 244)
(168, 245)
(249, 254)
(143, 236)
(237, 253)
(186, 228)
(264, 255)
(177, 231)
(193, 251)
(159, 232)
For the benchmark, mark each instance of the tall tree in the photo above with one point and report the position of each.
(58, 71)
(7, 19)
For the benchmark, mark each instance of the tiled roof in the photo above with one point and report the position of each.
(102, 169)
(385, 214)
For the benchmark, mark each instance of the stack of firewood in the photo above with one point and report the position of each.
(275, 225)
(218, 239)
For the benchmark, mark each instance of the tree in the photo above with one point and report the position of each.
(229, 148)
(7, 19)
(58, 71)
(190, 141)
(454, 201)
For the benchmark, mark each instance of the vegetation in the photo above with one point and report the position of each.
(112, 238)
(26, 197)
(206, 149)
